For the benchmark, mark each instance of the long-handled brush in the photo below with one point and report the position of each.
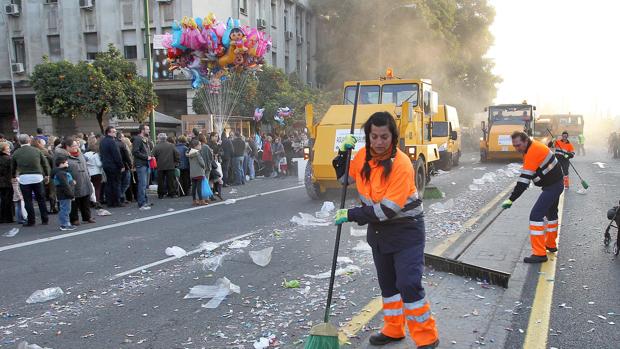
(584, 184)
(325, 335)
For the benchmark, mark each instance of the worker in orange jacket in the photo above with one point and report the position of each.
(391, 207)
(541, 167)
(564, 151)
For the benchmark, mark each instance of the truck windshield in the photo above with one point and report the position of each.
(540, 129)
(400, 93)
(440, 129)
(510, 114)
(368, 94)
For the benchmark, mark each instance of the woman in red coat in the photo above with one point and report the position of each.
(267, 157)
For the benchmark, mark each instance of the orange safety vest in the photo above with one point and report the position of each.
(391, 198)
(564, 148)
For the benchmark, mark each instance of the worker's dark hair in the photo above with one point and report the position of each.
(380, 119)
(108, 129)
(565, 133)
(521, 135)
(142, 127)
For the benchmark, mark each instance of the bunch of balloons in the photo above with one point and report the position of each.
(210, 49)
(258, 114)
(281, 114)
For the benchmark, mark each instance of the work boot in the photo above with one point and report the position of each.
(535, 259)
(430, 346)
(552, 249)
(381, 339)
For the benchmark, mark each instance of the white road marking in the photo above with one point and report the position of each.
(169, 259)
(133, 221)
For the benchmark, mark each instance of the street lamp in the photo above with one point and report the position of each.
(8, 52)
(149, 68)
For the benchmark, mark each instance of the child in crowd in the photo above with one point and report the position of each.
(64, 191)
(196, 172)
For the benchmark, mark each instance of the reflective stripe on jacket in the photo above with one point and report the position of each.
(539, 166)
(564, 148)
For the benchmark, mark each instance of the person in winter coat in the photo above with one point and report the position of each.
(113, 167)
(278, 154)
(167, 160)
(196, 172)
(64, 183)
(227, 157)
(238, 155)
(207, 155)
(141, 150)
(183, 164)
(127, 165)
(6, 188)
(267, 157)
(70, 149)
(94, 166)
(50, 189)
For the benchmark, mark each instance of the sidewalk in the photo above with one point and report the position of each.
(471, 314)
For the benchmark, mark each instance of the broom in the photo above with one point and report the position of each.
(584, 184)
(325, 335)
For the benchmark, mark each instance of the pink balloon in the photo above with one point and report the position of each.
(220, 29)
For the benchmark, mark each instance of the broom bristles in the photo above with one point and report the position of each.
(323, 336)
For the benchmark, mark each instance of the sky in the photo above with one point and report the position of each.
(562, 56)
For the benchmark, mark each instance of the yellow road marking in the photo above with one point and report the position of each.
(360, 320)
(445, 244)
(538, 327)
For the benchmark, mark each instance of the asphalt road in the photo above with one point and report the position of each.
(107, 306)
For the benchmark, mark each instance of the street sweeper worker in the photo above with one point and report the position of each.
(393, 212)
(541, 167)
(564, 151)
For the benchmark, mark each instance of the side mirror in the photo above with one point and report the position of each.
(483, 125)
(454, 135)
(534, 107)
(486, 109)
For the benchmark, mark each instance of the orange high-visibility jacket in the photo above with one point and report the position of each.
(384, 199)
(539, 166)
(563, 148)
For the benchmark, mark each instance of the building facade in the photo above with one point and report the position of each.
(76, 30)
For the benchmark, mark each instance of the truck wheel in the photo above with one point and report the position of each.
(456, 159)
(483, 156)
(420, 177)
(445, 164)
(313, 189)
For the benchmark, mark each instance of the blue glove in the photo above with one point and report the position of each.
(342, 216)
(348, 142)
(507, 204)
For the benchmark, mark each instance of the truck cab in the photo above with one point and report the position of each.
(502, 121)
(412, 103)
(541, 129)
(447, 136)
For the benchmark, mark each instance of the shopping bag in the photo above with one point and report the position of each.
(206, 189)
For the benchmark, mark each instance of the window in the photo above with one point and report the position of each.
(127, 14)
(274, 59)
(20, 50)
(92, 45)
(298, 68)
(52, 18)
(260, 11)
(53, 43)
(243, 6)
(399, 93)
(51, 1)
(131, 52)
(368, 94)
(285, 20)
(130, 45)
(274, 14)
(168, 10)
(440, 129)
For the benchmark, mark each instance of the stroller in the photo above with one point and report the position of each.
(613, 214)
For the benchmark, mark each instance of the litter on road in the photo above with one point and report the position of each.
(240, 244)
(218, 292)
(357, 232)
(175, 251)
(208, 246)
(291, 283)
(305, 219)
(348, 270)
(261, 257)
(326, 210)
(362, 246)
(102, 212)
(444, 207)
(40, 296)
(11, 233)
(25, 345)
(599, 164)
(212, 263)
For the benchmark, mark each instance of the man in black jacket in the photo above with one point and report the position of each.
(127, 164)
(141, 150)
(238, 154)
(113, 167)
(227, 155)
(167, 160)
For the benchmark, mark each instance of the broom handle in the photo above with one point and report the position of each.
(570, 163)
(343, 197)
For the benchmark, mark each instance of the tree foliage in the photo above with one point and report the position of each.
(444, 40)
(109, 87)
